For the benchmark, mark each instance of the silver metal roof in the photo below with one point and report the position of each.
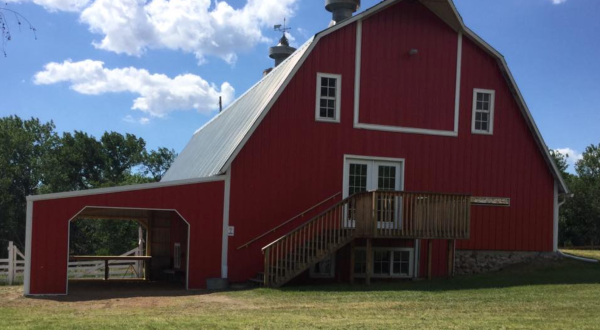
(212, 145)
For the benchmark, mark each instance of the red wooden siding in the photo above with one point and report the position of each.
(292, 162)
(200, 204)
(398, 89)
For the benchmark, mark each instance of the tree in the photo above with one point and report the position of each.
(5, 30)
(156, 163)
(23, 144)
(579, 220)
(35, 159)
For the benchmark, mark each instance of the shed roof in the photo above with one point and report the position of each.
(213, 144)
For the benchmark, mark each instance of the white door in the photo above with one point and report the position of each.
(363, 174)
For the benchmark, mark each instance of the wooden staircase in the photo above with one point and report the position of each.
(376, 214)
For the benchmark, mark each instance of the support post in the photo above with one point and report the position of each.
(429, 257)
(140, 264)
(352, 260)
(451, 257)
(267, 275)
(11, 263)
(148, 246)
(106, 270)
(369, 261)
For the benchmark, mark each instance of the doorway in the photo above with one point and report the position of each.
(363, 173)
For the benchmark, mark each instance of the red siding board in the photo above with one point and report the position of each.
(200, 204)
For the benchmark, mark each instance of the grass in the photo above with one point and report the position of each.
(592, 254)
(556, 295)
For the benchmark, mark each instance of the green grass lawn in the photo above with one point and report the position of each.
(592, 254)
(556, 295)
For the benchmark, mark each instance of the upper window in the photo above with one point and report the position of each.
(483, 111)
(328, 97)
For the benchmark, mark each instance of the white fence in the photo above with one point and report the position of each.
(12, 270)
(117, 268)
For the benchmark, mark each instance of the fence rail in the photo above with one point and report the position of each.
(12, 269)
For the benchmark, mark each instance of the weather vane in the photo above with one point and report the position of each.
(281, 28)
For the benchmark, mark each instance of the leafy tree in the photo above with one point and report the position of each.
(156, 163)
(579, 220)
(34, 159)
(23, 144)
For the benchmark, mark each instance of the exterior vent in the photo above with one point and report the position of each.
(341, 9)
(282, 51)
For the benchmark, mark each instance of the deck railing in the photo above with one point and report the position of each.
(391, 214)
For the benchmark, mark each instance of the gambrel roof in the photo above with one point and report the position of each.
(213, 147)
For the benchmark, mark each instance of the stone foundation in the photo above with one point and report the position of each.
(476, 262)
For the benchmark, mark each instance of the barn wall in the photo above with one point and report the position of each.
(292, 162)
(424, 95)
(200, 204)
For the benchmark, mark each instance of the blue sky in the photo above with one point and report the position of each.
(103, 65)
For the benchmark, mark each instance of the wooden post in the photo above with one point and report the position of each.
(369, 262)
(451, 256)
(148, 247)
(352, 260)
(140, 264)
(11, 263)
(106, 269)
(267, 274)
(429, 257)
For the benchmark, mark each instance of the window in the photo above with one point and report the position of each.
(387, 262)
(324, 268)
(177, 255)
(483, 111)
(328, 97)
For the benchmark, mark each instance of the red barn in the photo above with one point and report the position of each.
(381, 148)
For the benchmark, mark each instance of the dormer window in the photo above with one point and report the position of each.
(328, 97)
(483, 111)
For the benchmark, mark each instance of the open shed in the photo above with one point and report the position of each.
(189, 212)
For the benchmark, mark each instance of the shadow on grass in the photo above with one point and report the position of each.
(556, 272)
(548, 272)
(80, 291)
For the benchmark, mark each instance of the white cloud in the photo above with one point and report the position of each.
(193, 26)
(558, 2)
(572, 155)
(57, 5)
(159, 95)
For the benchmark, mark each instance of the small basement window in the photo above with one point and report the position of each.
(387, 262)
(483, 111)
(328, 97)
(324, 268)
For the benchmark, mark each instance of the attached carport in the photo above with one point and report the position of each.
(198, 202)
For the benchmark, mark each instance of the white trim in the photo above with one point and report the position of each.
(458, 79)
(225, 237)
(118, 189)
(474, 110)
(357, 68)
(189, 228)
(411, 261)
(555, 219)
(382, 5)
(28, 233)
(403, 129)
(347, 158)
(338, 97)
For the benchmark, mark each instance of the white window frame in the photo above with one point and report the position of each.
(411, 263)
(314, 274)
(177, 255)
(338, 99)
(492, 106)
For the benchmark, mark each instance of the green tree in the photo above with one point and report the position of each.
(156, 163)
(23, 145)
